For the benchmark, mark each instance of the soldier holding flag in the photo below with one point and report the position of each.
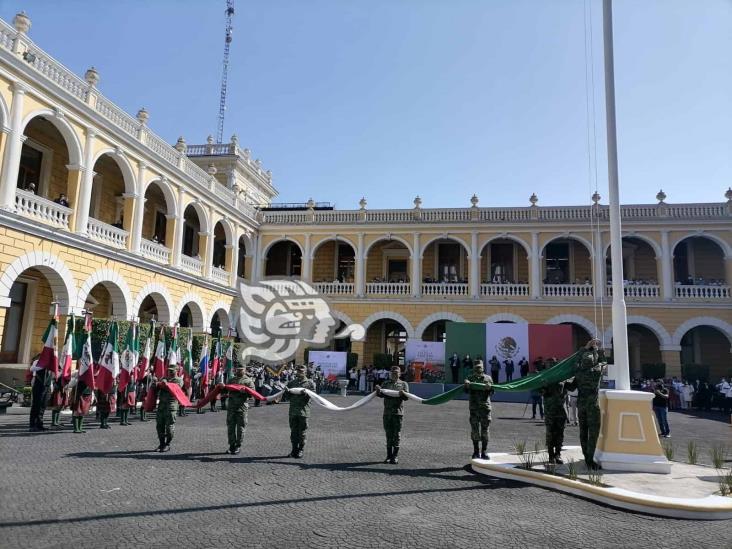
(127, 389)
(107, 376)
(143, 371)
(59, 397)
(44, 371)
(203, 373)
(81, 395)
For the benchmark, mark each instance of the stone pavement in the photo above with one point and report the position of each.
(109, 489)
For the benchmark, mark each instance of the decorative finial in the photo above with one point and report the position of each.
(22, 22)
(91, 76)
(661, 196)
(143, 116)
(310, 204)
(417, 202)
(247, 153)
(210, 140)
(474, 200)
(728, 194)
(181, 145)
(211, 169)
(362, 203)
(596, 198)
(533, 199)
(235, 140)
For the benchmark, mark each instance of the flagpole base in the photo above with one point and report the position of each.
(628, 438)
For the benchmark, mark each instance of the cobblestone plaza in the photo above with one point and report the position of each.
(110, 489)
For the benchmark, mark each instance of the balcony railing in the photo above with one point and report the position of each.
(36, 207)
(702, 292)
(220, 275)
(638, 291)
(504, 290)
(388, 288)
(191, 265)
(334, 288)
(567, 290)
(155, 251)
(107, 234)
(445, 289)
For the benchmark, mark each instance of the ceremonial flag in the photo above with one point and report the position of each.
(203, 362)
(67, 355)
(229, 369)
(159, 366)
(216, 359)
(86, 360)
(188, 355)
(144, 362)
(109, 363)
(505, 341)
(49, 355)
(127, 360)
(173, 357)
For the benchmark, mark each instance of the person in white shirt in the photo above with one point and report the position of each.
(687, 396)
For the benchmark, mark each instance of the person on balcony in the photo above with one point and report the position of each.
(62, 201)
(31, 188)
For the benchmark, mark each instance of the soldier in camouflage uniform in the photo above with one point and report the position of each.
(126, 401)
(479, 404)
(393, 413)
(106, 405)
(237, 408)
(588, 373)
(167, 408)
(555, 417)
(299, 411)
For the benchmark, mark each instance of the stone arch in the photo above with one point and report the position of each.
(162, 298)
(124, 165)
(429, 319)
(197, 308)
(575, 319)
(569, 236)
(724, 246)
(454, 238)
(117, 287)
(511, 237)
(73, 145)
(343, 317)
(225, 318)
(388, 239)
(718, 323)
(336, 238)
(504, 317)
(389, 315)
(229, 229)
(53, 268)
(655, 246)
(203, 219)
(163, 184)
(664, 338)
(268, 247)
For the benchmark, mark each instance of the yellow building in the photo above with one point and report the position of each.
(167, 231)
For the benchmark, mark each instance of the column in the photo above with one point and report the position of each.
(307, 261)
(599, 268)
(671, 357)
(13, 147)
(358, 348)
(138, 216)
(474, 278)
(81, 205)
(666, 260)
(73, 190)
(416, 267)
(535, 266)
(258, 267)
(205, 250)
(128, 216)
(232, 262)
(360, 268)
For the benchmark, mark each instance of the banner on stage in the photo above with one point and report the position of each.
(426, 360)
(506, 342)
(330, 362)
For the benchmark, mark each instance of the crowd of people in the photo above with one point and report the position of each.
(692, 395)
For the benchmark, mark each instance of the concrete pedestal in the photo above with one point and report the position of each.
(343, 384)
(628, 438)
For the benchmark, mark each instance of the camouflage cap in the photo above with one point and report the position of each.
(396, 369)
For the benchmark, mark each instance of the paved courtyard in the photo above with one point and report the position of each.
(109, 489)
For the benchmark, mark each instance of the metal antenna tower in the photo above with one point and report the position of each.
(225, 71)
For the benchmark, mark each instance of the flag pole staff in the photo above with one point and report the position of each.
(620, 319)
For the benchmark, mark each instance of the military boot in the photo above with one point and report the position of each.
(388, 455)
(55, 417)
(294, 451)
(476, 452)
(300, 451)
(483, 448)
(143, 416)
(81, 425)
(161, 440)
(558, 459)
(77, 424)
(394, 453)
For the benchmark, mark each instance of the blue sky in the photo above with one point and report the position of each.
(390, 99)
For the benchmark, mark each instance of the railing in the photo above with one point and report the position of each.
(30, 205)
(212, 149)
(220, 275)
(191, 265)
(161, 148)
(334, 288)
(388, 288)
(504, 290)
(702, 292)
(53, 70)
(445, 289)
(107, 234)
(558, 214)
(155, 251)
(117, 116)
(638, 291)
(567, 290)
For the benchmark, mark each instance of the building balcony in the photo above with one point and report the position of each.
(702, 292)
(445, 289)
(155, 251)
(107, 234)
(567, 291)
(504, 290)
(638, 291)
(41, 209)
(220, 275)
(334, 288)
(191, 265)
(388, 288)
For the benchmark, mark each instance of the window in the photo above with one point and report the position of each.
(557, 263)
(346, 263)
(448, 262)
(29, 171)
(161, 224)
(397, 270)
(13, 323)
(190, 241)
